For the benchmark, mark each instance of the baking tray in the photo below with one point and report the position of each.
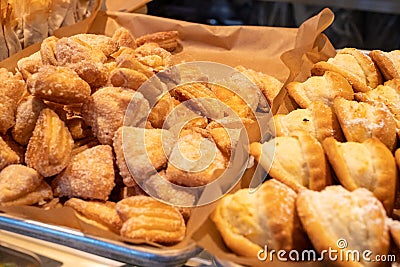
(142, 255)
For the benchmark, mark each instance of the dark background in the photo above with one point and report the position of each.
(351, 28)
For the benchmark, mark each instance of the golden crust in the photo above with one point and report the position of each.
(370, 165)
(148, 219)
(124, 38)
(128, 78)
(49, 149)
(7, 155)
(30, 65)
(69, 50)
(104, 213)
(97, 41)
(153, 56)
(16, 181)
(360, 121)
(127, 60)
(40, 195)
(335, 213)
(58, 84)
(160, 111)
(89, 175)
(47, 49)
(248, 221)
(318, 120)
(167, 40)
(320, 88)
(304, 167)
(386, 63)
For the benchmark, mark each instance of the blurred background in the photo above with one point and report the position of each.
(364, 24)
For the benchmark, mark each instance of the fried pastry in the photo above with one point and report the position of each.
(369, 164)
(127, 60)
(16, 181)
(153, 56)
(89, 175)
(103, 213)
(160, 111)
(106, 109)
(394, 228)
(387, 62)
(195, 161)
(145, 218)
(304, 167)
(78, 128)
(124, 38)
(318, 120)
(49, 148)
(69, 50)
(355, 66)
(7, 155)
(388, 94)
(58, 84)
(141, 152)
(167, 40)
(335, 214)
(47, 49)
(28, 111)
(225, 139)
(100, 42)
(30, 65)
(269, 86)
(360, 121)
(267, 217)
(320, 88)
(128, 78)
(40, 195)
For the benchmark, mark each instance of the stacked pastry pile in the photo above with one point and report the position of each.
(333, 171)
(27, 22)
(62, 131)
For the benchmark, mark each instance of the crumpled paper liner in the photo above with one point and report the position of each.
(285, 53)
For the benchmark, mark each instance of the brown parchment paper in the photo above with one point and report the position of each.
(280, 52)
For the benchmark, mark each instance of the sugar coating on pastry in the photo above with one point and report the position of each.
(89, 175)
(195, 161)
(249, 221)
(30, 65)
(360, 120)
(97, 41)
(7, 155)
(145, 218)
(387, 62)
(124, 38)
(318, 120)
(42, 194)
(320, 88)
(153, 56)
(17, 180)
(104, 213)
(335, 214)
(304, 166)
(167, 39)
(369, 164)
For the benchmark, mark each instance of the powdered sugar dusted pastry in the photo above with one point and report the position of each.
(355, 66)
(318, 120)
(320, 88)
(387, 62)
(345, 221)
(360, 121)
(297, 161)
(248, 221)
(369, 165)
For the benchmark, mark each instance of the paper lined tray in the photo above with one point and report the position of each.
(132, 254)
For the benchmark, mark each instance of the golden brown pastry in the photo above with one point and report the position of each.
(128, 60)
(195, 161)
(360, 121)
(150, 220)
(318, 120)
(320, 88)
(355, 66)
(153, 56)
(103, 213)
(369, 164)
(12, 89)
(98, 41)
(89, 175)
(28, 111)
(124, 38)
(47, 49)
(387, 62)
(16, 181)
(249, 221)
(297, 160)
(159, 112)
(268, 85)
(388, 94)
(58, 84)
(78, 128)
(141, 152)
(344, 221)
(105, 111)
(49, 148)
(7, 155)
(167, 40)
(128, 78)
(29, 65)
(40, 196)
